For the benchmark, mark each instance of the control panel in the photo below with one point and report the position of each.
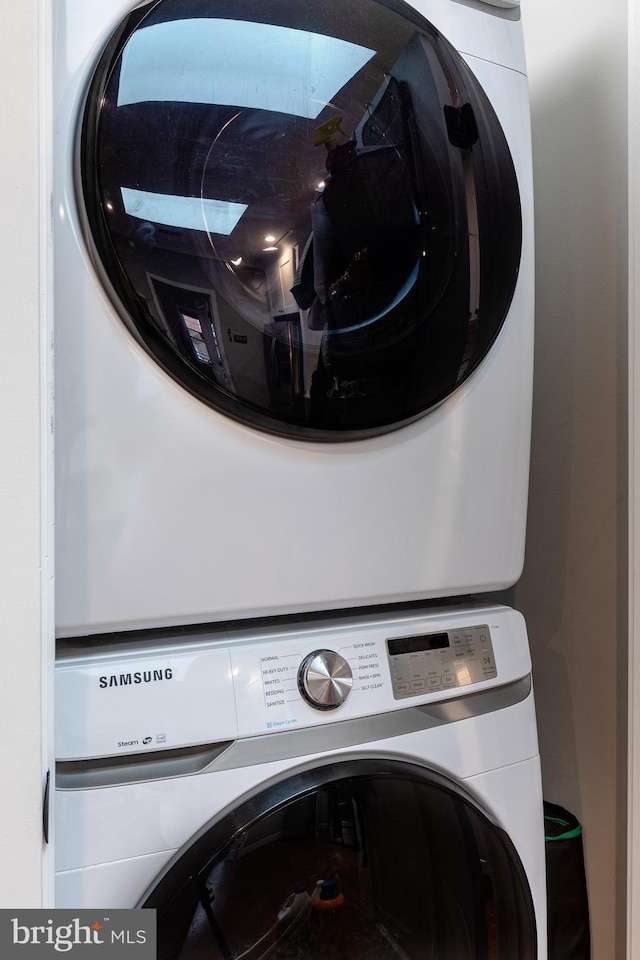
(232, 687)
(285, 684)
(440, 661)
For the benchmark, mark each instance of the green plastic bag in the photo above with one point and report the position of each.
(567, 903)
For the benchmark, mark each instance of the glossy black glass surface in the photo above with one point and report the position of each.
(364, 860)
(307, 213)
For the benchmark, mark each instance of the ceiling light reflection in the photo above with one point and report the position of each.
(192, 213)
(237, 63)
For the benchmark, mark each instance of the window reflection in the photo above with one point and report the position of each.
(194, 328)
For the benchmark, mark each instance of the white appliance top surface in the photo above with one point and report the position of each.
(130, 699)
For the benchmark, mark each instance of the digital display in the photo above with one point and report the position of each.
(427, 641)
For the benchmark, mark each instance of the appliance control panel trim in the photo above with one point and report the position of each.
(176, 695)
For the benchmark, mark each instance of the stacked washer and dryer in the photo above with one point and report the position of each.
(294, 344)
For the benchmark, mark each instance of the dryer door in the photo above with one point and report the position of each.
(308, 214)
(358, 860)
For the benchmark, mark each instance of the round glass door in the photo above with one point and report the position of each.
(362, 860)
(307, 213)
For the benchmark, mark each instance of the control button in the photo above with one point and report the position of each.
(401, 687)
(434, 683)
(400, 668)
(488, 665)
(325, 679)
(418, 685)
(416, 665)
(449, 680)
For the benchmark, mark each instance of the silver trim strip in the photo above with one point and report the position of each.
(288, 744)
(506, 13)
(136, 767)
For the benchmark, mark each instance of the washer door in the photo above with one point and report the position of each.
(360, 860)
(307, 213)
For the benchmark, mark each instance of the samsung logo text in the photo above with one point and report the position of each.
(130, 679)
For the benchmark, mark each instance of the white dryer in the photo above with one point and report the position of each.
(363, 788)
(294, 306)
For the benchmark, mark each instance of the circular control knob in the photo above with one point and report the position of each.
(325, 679)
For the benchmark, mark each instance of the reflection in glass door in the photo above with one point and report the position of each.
(358, 861)
(191, 321)
(349, 170)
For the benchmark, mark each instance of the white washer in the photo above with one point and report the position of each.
(294, 306)
(395, 756)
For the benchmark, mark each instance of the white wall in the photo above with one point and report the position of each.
(25, 594)
(573, 590)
